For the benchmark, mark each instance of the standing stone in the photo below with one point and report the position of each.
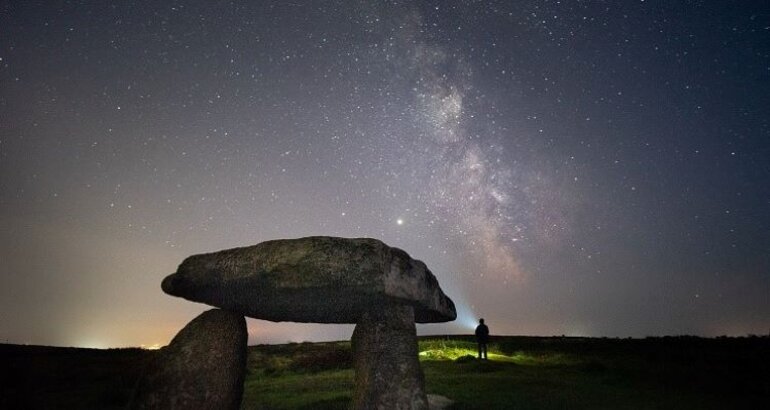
(388, 372)
(202, 368)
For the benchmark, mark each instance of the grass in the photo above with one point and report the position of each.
(324, 390)
(521, 373)
(538, 373)
(299, 375)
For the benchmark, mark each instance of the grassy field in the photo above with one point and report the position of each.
(522, 373)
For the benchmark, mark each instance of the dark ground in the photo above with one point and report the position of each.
(523, 372)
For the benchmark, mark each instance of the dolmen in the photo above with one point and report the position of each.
(380, 289)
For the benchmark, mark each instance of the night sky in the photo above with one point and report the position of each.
(581, 168)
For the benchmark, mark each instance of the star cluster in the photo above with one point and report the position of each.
(583, 168)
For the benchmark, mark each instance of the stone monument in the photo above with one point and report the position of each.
(331, 280)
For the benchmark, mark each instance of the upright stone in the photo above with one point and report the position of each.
(202, 368)
(388, 372)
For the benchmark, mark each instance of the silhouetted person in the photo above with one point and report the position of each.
(482, 338)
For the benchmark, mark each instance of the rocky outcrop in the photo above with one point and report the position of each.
(202, 368)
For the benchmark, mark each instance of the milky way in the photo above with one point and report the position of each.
(466, 185)
(585, 168)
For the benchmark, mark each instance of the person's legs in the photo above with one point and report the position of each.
(485, 351)
(480, 347)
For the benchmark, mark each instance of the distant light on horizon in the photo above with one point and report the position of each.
(92, 344)
(154, 346)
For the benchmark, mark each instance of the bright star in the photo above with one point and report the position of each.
(400, 221)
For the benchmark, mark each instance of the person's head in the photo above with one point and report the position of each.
(481, 321)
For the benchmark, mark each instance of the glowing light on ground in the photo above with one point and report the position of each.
(451, 350)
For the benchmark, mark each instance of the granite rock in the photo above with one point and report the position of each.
(202, 368)
(315, 279)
